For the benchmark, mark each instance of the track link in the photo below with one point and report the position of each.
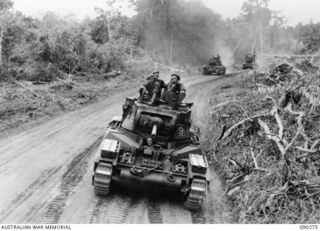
(102, 179)
(197, 194)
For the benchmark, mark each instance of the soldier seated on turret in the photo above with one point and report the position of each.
(218, 60)
(148, 92)
(215, 60)
(175, 92)
(162, 84)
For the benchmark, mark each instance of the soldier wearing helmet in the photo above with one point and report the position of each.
(175, 92)
(149, 91)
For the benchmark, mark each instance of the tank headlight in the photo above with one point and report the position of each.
(149, 141)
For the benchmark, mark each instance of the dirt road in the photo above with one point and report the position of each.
(45, 172)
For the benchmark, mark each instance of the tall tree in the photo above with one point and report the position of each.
(5, 6)
(178, 31)
(309, 37)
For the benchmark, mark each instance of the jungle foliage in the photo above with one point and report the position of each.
(173, 32)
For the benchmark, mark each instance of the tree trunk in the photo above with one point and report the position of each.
(109, 27)
(1, 64)
(171, 47)
(261, 39)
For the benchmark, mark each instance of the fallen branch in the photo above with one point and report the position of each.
(315, 144)
(234, 163)
(314, 194)
(234, 179)
(229, 131)
(19, 84)
(281, 190)
(221, 104)
(306, 152)
(271, 136)
(256, 166)
(274, 112)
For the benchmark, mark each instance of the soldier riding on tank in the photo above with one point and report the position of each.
(149, 92)
(175, 92)
(162, 85)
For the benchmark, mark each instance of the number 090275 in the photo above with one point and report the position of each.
(309, 227)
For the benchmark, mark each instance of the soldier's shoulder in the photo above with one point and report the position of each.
(160, 81)
(182, 86)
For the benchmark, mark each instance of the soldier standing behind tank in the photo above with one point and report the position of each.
(149, 91)
(175, 92)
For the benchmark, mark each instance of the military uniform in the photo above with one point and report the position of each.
(150, 90)
(152, 87)
(162, 84)
(175, 93)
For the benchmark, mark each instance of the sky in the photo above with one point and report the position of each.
(294, 10)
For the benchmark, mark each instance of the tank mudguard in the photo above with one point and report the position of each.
(127, 139)
(198, 167)
(183, 153)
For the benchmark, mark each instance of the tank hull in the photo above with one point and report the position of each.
(246, 66)
(214, 70)
(164, 176)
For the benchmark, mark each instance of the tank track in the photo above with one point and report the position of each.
(196, 195)
(102, 179)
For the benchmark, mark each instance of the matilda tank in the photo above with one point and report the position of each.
(214, 66)
(153, 146)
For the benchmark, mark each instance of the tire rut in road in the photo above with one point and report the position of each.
(28, 192)
(33, 212)
(214, 212)
(198, 217)
(101, 203)
(113, 209)
(154, 212)
(4, 162)
(70, 180)
(124, 205)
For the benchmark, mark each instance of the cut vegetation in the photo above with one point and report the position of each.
(267, 148)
